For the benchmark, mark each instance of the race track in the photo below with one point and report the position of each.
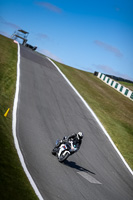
(48, 109)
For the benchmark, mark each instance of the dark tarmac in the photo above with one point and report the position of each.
(48, 109)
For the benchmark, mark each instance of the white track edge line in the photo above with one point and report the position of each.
(94, 115)
(14, 130)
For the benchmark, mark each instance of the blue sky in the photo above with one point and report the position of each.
(89, 35)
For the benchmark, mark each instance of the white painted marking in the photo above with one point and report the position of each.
(106, 79)
(14, 129)
(99, 74)
(114, 84)
(89, 177)
(124, 90)
(118, 88)
(100, 124)
(110, 81)
(102, 76)
(129, 93)
(15, 42)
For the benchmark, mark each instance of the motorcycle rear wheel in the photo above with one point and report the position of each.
(54, 151)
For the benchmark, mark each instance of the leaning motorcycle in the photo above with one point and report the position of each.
(64, 150)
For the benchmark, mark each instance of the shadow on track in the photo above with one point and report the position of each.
(75, 166)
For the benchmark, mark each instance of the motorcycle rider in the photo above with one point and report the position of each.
(75, 138)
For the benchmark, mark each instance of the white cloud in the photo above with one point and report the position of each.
(49, 6)
(10, 24)
(109, 48)
(41, 36)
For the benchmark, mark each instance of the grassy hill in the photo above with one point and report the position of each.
(114, 111)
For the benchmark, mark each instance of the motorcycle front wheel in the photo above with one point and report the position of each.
(62, 158)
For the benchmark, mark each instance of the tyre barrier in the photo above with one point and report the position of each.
(114, 84)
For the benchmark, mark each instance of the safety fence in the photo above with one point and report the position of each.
(120, 88)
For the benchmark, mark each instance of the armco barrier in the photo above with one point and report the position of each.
(117, 86)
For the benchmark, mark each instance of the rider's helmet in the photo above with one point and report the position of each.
(79, 135)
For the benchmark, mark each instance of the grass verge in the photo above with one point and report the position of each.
(13, 181)
(113, 109)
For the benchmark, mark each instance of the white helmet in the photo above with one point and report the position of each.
(79, 135)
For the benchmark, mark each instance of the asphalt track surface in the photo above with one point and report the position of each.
(48, 109)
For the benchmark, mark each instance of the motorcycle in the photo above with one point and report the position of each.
(64, 150)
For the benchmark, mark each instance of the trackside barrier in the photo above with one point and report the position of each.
(117, 86)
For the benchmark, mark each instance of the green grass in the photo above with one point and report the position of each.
(13, 181)
(113, 109)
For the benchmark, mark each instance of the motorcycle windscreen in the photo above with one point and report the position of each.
(57, 141)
